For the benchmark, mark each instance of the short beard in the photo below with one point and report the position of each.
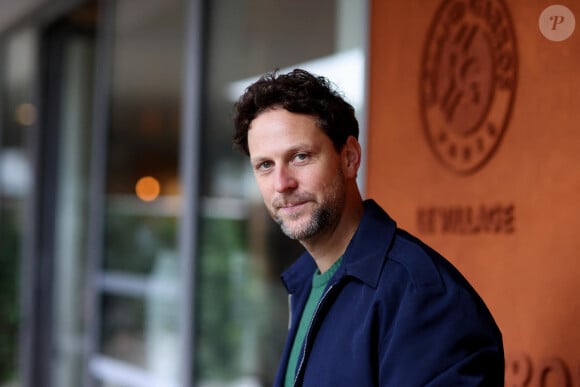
(323, 217)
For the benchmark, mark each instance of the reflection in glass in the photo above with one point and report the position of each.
(138, 276)
(17, 81)
(123, 329)
(134, 239)
(227, 285)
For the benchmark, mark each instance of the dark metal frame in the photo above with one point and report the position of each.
(189, 171)
(97, 182)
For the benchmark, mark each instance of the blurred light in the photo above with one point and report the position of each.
(25, 114)
(147, 188)
(15, 177)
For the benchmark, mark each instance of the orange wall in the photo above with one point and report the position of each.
(505, 208)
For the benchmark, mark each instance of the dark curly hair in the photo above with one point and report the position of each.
(298, 92)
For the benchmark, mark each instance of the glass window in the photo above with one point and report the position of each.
(18, 115)
(138, 279)
(241, 304)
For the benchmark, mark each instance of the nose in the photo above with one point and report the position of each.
(284, 180)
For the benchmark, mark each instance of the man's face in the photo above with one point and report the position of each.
(298, 172)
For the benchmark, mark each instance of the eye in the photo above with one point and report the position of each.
(264, 166)
(301, 157)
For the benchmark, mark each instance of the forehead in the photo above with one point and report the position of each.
(278, 129)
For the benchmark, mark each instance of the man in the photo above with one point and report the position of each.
(370, 304)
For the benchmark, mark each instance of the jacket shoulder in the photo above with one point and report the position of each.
(420, 262)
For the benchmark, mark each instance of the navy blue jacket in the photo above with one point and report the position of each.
(396, 313)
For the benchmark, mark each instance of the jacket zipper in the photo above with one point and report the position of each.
(308, 332)
(289, 311)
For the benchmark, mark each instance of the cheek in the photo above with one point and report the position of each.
(321, 180)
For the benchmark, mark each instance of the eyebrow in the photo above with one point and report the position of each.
(258, 160)
(290, 151)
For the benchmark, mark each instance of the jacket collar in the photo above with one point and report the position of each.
(364, 257)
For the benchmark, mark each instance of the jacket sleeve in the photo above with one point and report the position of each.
(441, 336)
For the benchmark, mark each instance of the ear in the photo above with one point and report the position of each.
(351, 157)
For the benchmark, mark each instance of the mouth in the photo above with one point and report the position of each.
(291, 206)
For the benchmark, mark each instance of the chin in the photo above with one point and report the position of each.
(292, 231)
(302, 232)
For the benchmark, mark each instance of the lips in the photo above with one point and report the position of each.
(282, 202)
(291, 208)
(290, 205)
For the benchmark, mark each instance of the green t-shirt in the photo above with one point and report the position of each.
(319, 282)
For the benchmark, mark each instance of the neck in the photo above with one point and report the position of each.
(328, 247)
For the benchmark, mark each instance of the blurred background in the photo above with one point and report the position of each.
(134, 248)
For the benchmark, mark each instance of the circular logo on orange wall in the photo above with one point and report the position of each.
(468, 81)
